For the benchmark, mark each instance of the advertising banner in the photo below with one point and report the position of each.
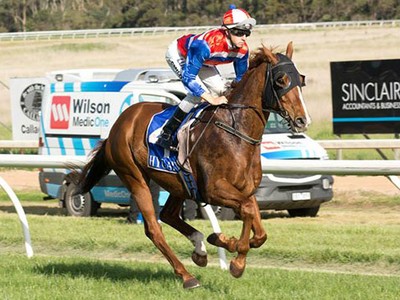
(85, 108)
(26, 98)
(366, 96)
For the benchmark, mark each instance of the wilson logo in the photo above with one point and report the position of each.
(60, 108)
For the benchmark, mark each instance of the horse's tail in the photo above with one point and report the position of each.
(94, 170)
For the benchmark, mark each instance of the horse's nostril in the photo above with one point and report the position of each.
(300, 121)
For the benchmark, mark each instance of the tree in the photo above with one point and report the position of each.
(31, 15)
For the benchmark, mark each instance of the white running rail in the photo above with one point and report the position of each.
(144, 31)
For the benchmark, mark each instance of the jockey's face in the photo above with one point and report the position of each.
(238, 36)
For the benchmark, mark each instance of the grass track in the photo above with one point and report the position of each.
(85, 278)
(350, 251)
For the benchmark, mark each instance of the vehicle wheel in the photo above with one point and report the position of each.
(222, 213)
(304, 212)
(79, 205)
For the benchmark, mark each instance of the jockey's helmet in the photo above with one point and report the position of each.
(238, 18)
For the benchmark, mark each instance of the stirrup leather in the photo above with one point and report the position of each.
(164, 140)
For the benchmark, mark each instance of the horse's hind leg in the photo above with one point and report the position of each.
(170, 215)
(141, 194)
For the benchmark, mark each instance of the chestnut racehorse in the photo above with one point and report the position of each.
(225, 159)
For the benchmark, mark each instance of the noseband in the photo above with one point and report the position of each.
(274, 92)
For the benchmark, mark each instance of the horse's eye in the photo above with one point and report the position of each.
(283, 81)
(280, 81)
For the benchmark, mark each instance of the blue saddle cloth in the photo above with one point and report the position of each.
(160, 158)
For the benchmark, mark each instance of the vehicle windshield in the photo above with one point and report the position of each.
(276, 124)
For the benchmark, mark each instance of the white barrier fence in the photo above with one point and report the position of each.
(21, 216)
(298, 166)
(127, 32)
(360, 144)
(327, 144)
(332, 167)
(13, 144)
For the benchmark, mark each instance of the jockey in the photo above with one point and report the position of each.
(194, 59)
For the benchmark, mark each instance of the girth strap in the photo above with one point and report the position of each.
(237, 133)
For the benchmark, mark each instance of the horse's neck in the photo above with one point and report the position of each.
(249, 93)
(250, 89)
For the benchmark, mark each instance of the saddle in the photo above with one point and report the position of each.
(176, 162)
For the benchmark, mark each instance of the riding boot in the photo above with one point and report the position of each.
(165, 139)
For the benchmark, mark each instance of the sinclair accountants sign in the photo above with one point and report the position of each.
(366, 96)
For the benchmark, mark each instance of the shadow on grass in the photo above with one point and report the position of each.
(41, 210)
(100, 270)
(274, 214)
(44, 210)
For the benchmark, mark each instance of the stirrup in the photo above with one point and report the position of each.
(165, 141)
(174, 148)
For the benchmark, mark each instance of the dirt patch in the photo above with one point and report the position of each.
(378, 184)
(21, 179)
(28, 180)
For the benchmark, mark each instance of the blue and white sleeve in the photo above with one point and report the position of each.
(241, 67)
(198, 52)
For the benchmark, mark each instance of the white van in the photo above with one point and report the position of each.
(301, 195)
(75, 115)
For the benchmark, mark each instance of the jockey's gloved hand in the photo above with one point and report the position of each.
(214, 100)
(228, 84)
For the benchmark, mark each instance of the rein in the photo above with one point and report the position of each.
(237, 133)
(233, 130)
(229, 128)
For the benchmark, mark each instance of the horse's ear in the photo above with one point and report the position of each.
(271, 57)
(289, 50)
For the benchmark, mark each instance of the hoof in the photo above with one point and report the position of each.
(213, 239)
(235, 270)
(191, 283)
(219, 240)
(200, 260)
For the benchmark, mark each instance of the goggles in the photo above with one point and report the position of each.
(240, 32)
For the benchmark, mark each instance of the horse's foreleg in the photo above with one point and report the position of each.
(250, 215)
(238, 264)
(230, 244)
(260, 236)
(225, 194)
(170, 215)
(141, 194)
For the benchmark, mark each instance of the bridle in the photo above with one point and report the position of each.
(272, 94)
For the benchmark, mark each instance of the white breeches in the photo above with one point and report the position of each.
(209, 77)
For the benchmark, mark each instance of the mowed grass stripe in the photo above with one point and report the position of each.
(289, 240)
(85, 278)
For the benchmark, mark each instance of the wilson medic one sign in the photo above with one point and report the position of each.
(366, 96)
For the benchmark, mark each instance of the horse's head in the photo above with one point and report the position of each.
(282, 92)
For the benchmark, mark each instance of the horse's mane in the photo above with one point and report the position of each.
(257, 57)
